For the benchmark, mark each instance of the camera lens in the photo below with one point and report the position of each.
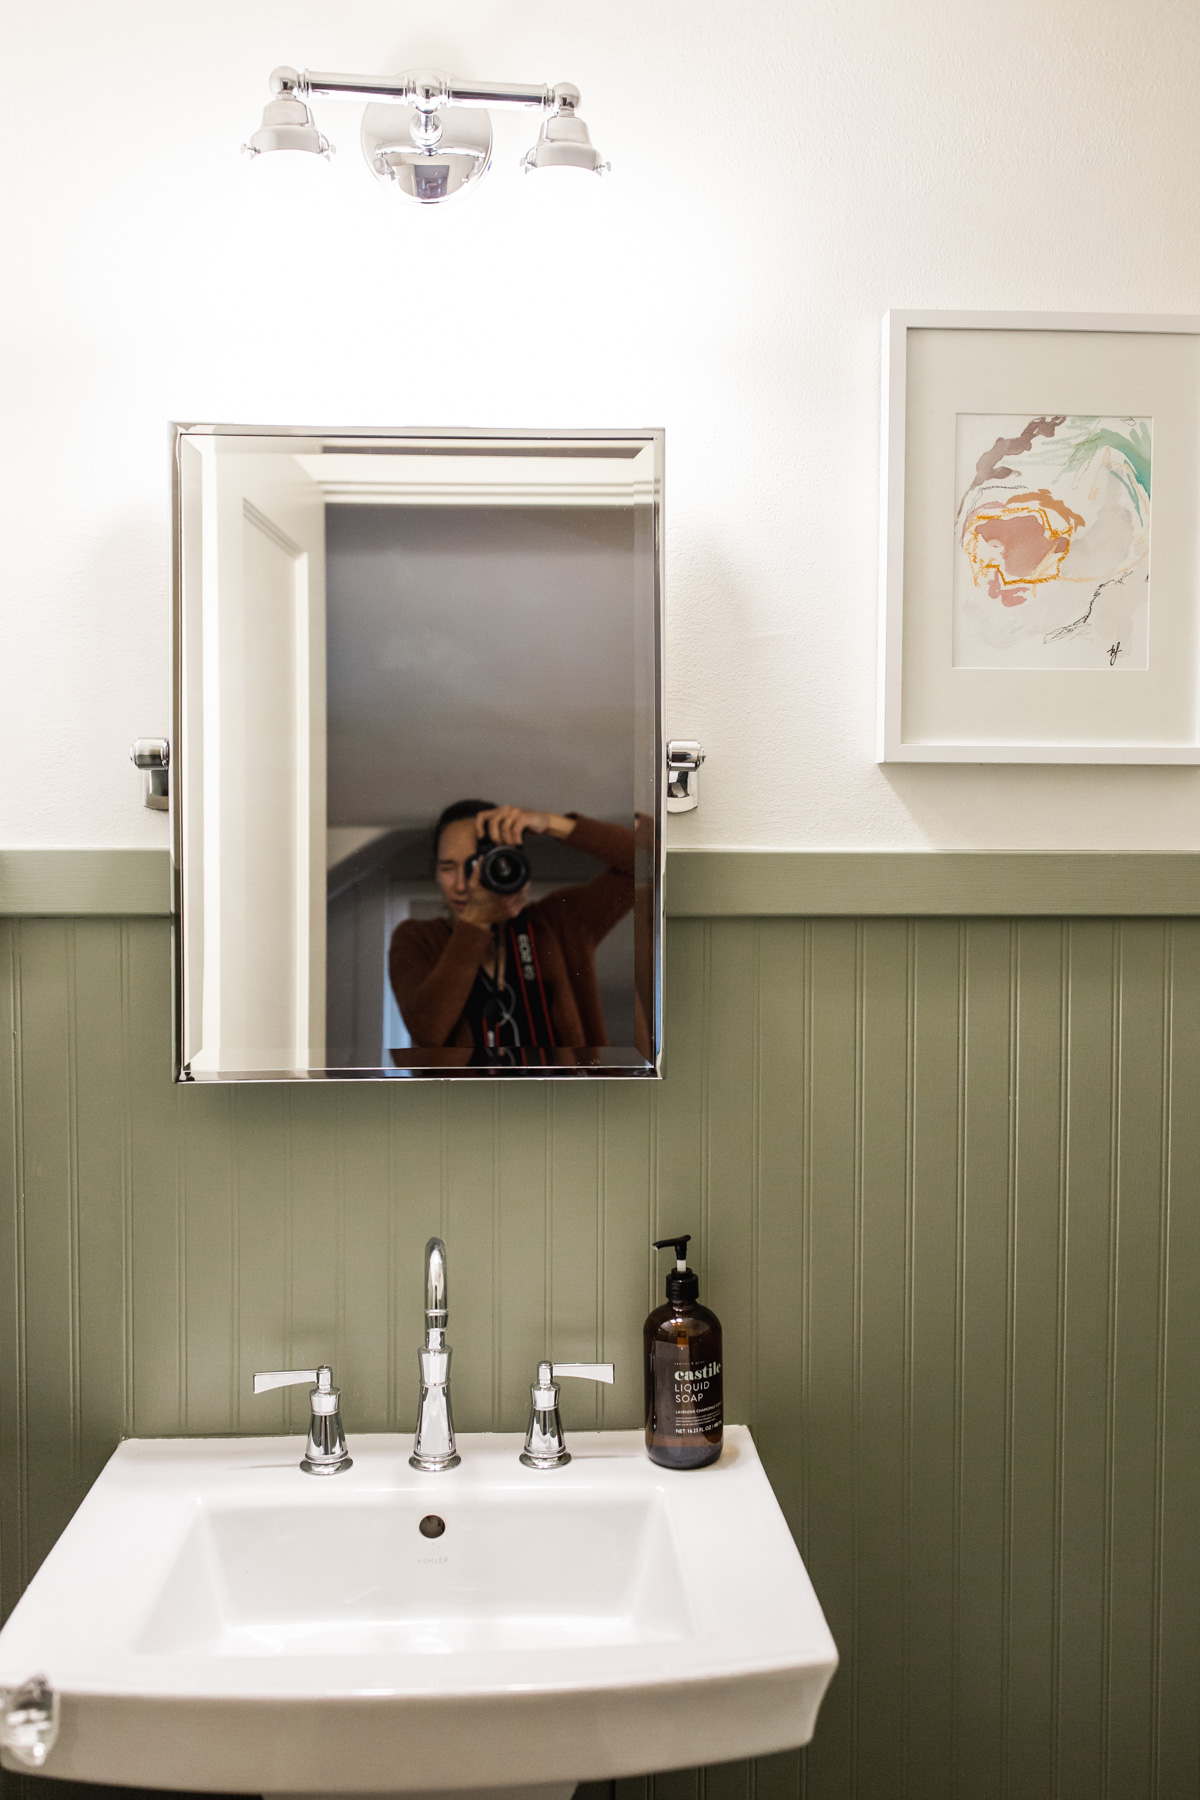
(504, 869)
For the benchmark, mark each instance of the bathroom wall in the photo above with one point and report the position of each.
(941, 1170)
(941, 1173)
(782, 173)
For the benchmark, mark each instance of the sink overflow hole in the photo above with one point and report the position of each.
(431, 1526)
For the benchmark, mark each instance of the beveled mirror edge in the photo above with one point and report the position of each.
(654, 436)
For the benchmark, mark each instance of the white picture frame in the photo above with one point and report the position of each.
(950, 379)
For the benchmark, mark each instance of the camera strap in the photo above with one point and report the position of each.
(514, 1016)
(532, 1005)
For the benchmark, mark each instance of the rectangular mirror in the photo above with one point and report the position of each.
(376, 631)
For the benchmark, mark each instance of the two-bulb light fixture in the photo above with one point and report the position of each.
(427, 134)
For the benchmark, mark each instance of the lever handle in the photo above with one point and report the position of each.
(544, 1446)
(324, 1399)
(324, 1395)
(277, 1378)
(584, 1371)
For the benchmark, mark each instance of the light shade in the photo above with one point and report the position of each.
(287, 124)
(563, 142)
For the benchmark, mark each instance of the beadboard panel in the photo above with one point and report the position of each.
(942, 1175)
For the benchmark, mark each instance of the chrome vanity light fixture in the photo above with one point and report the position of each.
(425, 133)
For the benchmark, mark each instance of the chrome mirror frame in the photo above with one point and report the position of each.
(650, 746)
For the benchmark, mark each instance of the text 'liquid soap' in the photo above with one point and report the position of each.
(684, 1422)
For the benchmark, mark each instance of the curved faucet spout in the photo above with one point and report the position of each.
(437, 1292)
(433, 1446)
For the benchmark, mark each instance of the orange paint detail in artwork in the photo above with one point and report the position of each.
(1021, 543)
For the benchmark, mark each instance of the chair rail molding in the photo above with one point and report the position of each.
(726, 883)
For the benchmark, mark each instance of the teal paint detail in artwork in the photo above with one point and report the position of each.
(1134, 446)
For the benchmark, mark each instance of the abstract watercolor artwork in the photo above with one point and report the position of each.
(1052, 541)
(1025, 616)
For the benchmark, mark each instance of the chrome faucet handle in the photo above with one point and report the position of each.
(545, 1447)
(605, 1372)
(325, 1452)
(277, 1378)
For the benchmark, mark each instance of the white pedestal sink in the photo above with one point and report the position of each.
(214, 1619)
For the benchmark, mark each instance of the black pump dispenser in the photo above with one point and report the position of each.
(683, 1284)
(682, 1340)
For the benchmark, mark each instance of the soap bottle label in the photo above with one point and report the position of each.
(695, 1399)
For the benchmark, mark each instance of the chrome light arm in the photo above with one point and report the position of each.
(545, 1447)
(325, 1452)
(426, 90)
(433, 1444)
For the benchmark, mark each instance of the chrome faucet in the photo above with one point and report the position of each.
(433, 1445)
(545, 1447)
(325, 1452)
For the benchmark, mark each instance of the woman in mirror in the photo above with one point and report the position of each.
(504, 977)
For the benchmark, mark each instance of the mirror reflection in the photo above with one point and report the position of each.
(416, 767)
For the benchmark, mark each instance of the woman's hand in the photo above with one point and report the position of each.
(508, 824)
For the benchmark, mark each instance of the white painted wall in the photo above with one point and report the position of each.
(784, 171)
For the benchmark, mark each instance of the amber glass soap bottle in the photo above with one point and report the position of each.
(683, 1372)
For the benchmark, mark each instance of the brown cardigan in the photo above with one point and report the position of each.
(433, 963)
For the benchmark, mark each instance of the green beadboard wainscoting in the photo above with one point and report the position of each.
(944, 1179)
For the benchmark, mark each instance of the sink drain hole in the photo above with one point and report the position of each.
(431, 1526)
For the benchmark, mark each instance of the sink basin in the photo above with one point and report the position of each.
(212, 1618)
(543, 1570)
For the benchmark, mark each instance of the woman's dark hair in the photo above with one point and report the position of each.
(461, 809)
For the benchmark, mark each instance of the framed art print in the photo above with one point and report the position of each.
(1040, 549)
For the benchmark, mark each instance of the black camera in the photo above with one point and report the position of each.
(503, 868)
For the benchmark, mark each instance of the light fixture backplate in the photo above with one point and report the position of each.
(462, 155)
